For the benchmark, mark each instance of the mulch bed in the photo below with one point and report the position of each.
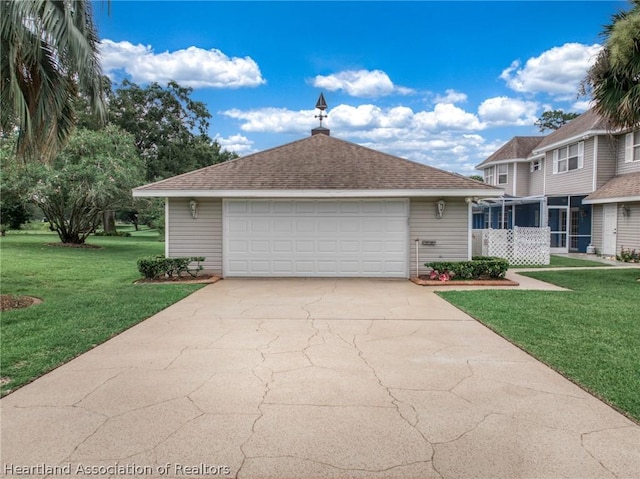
(73, 245)
(425, 281)
(200, 279)
(10, 301)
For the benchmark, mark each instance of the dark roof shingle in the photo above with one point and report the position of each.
(516, 148)
(588, 121)
(622, 186)
(319, 162)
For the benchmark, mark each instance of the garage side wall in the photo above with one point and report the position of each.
(450, 232)
(201, 236)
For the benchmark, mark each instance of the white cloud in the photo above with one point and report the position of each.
(274, 120)
(360, 83)
(193, 67)
(445, 137)
(581, 106)
(502, 110)
(451, 96)
(236, 143)
(446, 116)
(557, 71)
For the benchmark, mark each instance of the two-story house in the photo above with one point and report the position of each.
(582, 180)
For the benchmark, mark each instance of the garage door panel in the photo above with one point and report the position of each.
(260, 246)
(305, 226)
(283, 246)
(316, 238)
(258, 225)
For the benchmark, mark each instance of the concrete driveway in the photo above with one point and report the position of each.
(312, 379)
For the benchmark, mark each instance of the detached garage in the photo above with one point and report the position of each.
(318, 207)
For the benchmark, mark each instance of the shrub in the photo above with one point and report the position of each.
(124, 234)
(158, 266)
(478, 268)
(629, 255)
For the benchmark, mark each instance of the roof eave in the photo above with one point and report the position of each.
(502, 162)
(617, 199)
(580, 137)
(395, 193)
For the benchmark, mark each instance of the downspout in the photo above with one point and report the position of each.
(166, 227)
(417, 257)
(469, 228)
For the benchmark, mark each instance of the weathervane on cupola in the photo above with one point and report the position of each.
(321, 105)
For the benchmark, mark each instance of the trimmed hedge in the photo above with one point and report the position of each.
(479, 267)
(158, 266)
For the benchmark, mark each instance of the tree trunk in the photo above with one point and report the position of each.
(109, 221)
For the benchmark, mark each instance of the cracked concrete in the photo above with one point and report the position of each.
(315, 378)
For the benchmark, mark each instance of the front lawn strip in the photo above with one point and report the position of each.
(590, 334)
(565, 262)
(88, 297)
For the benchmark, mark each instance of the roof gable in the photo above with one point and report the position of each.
(519, 147)
(588, 122)
(318, 162)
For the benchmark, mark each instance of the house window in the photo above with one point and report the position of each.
(632, 147)
(488, 176)
(503, 174)
(536, 165)
(568, 158)
(486, 220)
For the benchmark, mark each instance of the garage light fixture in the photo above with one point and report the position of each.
(193, 207)
(440, 208)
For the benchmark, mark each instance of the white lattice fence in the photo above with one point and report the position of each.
(520, 246)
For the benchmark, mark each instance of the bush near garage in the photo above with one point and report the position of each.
(480, 267)
(152, 267)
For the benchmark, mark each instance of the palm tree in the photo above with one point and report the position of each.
(48, 57)
(614, 79)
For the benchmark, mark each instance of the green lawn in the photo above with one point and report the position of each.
(590, 334)
(565, 262)
(88, 294)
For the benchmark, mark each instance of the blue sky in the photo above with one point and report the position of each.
(442, 83)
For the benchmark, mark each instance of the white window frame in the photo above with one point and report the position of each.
(562, 158)
(536, 165)
(502, 172)
(489, 176)
(632, 146)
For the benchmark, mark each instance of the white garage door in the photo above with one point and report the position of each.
(366, 238)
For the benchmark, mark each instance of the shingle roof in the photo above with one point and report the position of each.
(319, 162)
(516, 148)
(588, 121)
(622, 186)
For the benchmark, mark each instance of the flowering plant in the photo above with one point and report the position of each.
(444, 275)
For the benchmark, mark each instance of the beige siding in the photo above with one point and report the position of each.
(606, 160)
(201, 236)
(522, 174)
(628, 232)
(596, 227)
(450, 232)
(508, 186)
(573, 182)
(536, 180)
(623, 167)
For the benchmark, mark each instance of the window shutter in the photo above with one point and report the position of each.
(581, 155)
(628, 148)
(555, 162)
(531, 167)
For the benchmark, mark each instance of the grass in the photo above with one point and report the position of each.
(565, 262)
(590, 334)
(88, 294)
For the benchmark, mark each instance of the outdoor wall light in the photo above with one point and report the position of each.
(440, 208)
(193, 207)
(625, 210)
